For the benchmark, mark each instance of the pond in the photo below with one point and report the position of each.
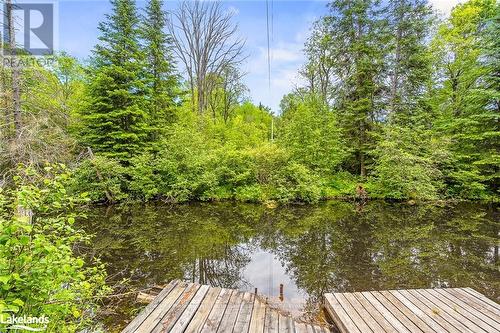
(333, 246)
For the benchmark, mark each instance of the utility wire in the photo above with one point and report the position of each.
(270, 263)
(268, 47)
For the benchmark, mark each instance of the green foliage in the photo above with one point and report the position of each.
(114, 117)
(392, 102)
(39, 274)
(50, 96)
(357, 40)
(341, 184)
(467, 99)
(409, 59)
(160, 72)
(295, 182)
(97, 175)
(407, 166)
(310, 131)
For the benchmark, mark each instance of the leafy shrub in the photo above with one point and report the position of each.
(144, 178)
(310, 132)
(249, 193)
(268, 159)
(295, 182)
(341, 184)
(99, 175)
(405, 167)
(39, 274)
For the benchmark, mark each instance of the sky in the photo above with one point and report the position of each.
(291, 21)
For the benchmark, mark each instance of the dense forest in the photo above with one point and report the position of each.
(397, 103)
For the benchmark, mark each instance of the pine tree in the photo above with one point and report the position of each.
(114, 121)
(408, 59)
(355, 27)
(162, 80)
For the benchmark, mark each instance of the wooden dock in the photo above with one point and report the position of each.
(190, 307)
(451, 310)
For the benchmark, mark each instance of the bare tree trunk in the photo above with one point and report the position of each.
(395, 79)
(201, 95)
(5, 103)
(16, 91)
(206, 42)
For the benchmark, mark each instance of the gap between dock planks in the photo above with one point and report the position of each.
(444, 310)
(183, 307)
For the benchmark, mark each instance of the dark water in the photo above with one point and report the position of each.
(335, 246)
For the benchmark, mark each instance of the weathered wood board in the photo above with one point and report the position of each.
(447, 310)
(188, 307)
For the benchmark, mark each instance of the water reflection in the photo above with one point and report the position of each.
(335, 246)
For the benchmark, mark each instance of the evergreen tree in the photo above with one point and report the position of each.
(490, 161)
(114, 121)
(466, 99)
(357, 44)
(408, 59)
(162, 80)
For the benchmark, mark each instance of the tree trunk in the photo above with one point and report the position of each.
(397, 59)
(201, 93)
(5, 104)
(362, 142)
(362, 166)
(16, 91)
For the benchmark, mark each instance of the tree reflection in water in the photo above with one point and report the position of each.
(335, 246)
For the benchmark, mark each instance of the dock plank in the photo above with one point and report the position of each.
(134, 324)
(422, 315)
(376, 315)
(361, 310)
(340, 316)
(183, 307)
(388, 315)
(482, 298)
(444, 310)
(201, 315)
(409, 313)
(170, 318)
(400, 316)
(352, 313)
(445, 320)
(157, 314)
(271, 321)
(232, 310)
(300, 328)
(285, 324)
(258, 315)
(215, 316)
(489, 314)
(243, 320)
(453, 310)
(472, 307)
(190, 311)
